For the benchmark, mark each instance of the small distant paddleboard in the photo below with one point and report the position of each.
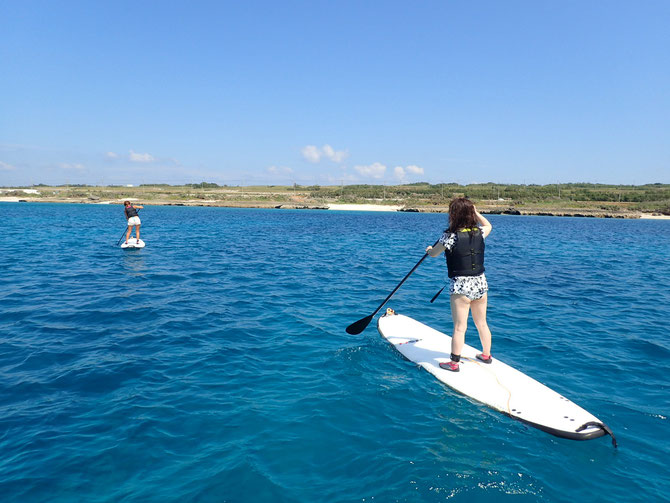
(132, 244)
(497, 385)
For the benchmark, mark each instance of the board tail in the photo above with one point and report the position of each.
(603, 427)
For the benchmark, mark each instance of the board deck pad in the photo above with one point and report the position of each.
(497, 385)
(132, 244)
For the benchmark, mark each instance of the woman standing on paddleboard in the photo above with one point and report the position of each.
(463, 245)
(133, 219)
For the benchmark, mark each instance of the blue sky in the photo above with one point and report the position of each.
(334, 92)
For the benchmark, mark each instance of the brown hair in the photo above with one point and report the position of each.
(461, 215)
(125, 203)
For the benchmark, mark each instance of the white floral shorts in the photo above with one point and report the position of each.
(473, 287)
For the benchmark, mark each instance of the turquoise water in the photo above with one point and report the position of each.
(213, 365)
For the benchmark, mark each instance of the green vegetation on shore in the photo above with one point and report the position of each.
(653, 196)
(569, 197)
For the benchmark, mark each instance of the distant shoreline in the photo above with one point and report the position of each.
(567, 200)
(485, 208)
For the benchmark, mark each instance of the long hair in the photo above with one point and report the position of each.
(461, 215)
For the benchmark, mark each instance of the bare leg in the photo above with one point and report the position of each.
(460, 307)
(130, 228)
(137, 232)
(478, 308)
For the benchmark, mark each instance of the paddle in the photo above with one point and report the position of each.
(124, 232)
(360, 325)
(121, 238)
(437, 294)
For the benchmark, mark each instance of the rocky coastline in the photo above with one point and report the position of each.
(484, 206)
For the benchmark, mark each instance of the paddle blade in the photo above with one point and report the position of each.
(357, 327)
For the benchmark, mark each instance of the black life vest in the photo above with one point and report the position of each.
(466, 257)
(131, 211)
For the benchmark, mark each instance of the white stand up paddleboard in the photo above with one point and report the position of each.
(497, 385)
(132, 244)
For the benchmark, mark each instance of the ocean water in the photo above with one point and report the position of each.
(213, 364)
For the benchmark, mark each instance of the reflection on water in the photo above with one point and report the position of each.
(134, 261)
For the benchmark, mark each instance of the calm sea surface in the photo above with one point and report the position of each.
(213, 364)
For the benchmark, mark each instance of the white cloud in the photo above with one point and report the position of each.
(375, 170)
(6, 167)
(314, 154)
(136, 157)
(402, 173)
(334, 155)
(279, 170)
(68, 165)
(111, 155)
(311, 153)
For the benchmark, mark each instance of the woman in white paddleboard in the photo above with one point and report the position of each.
(463, 245)
(133, 219)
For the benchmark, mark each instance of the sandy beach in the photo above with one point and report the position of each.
(654, 217)
(363, 207)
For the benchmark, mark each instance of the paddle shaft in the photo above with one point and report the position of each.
(437, 294)
(358, 326)
(400, 284)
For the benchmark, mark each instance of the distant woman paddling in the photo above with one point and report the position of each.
(133, 219)
(463, 245)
